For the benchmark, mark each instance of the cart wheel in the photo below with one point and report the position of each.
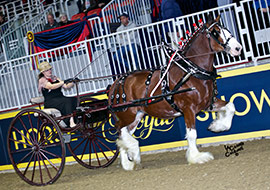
(94, 145)
(36, 147)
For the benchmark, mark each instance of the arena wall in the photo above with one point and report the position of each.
(247, 88)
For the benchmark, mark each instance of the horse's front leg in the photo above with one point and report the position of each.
(225, 112)
(193, 155)
(129, 147)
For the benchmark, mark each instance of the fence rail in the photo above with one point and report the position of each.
(100, 56)
(35, 24)
(138, 10)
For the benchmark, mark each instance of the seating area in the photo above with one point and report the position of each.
(98, 23)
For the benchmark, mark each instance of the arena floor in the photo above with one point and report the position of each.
(169, 171)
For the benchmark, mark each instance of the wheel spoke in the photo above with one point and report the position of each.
(40, 170)
(96, 153)
(102, 137)
(26, 169)
(20, 151)
(34, 168)
(84, 148)
(54, 155)
(42, 131)
(48, 172)
(31, 124)
(49, 137)
(25, 129)
(20, 142)
(78, 145)
(101, 150)
(90, 152)
(52, 164)
(22, 159)
(23, 135)
(108, 148)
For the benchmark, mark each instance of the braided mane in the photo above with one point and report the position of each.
(184, 44)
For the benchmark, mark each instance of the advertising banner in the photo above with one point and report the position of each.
(247, 88)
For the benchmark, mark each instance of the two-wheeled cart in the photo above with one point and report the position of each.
(37, 137)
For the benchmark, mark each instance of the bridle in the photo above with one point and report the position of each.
(214, 34)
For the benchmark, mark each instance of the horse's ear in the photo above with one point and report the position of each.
(209, 19)
(218, 18)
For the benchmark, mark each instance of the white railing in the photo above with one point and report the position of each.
(99, 56)
(16, 36)
(229, 18)
(16, 8)
(258, 27)
(32, 8)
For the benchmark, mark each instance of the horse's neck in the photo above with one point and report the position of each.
(201, 53)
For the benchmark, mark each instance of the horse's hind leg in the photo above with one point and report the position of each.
(225, 112)
(129, 147)
(193, 155)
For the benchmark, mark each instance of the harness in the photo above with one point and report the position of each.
(177, 57)
(190, 69)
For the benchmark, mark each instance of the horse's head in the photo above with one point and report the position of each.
(221, 39)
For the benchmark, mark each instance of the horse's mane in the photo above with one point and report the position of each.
(186, 43)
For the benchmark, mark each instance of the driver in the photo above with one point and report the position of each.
(50, 86)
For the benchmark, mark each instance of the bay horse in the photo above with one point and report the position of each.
(211, 37)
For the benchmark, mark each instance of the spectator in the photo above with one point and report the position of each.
(64, 20)
(2, 19)
(170, 9)
(51, 22)
(50, 86)
(123, 39)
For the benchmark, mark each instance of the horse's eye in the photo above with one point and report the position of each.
(215, 33)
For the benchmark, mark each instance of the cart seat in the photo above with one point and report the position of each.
(50, 111)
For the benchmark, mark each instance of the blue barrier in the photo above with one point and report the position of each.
(247, 88)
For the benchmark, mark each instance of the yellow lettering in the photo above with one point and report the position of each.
(162, 122)
(22, 141)
(263, 97)
(34, 130)
(247, 103)
(206, 116)
(148, 127)
(168, 122)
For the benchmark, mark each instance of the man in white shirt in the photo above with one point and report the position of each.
(124, 39)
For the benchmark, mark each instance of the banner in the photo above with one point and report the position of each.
(57, 37)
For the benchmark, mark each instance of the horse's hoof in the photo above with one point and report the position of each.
(128, 166)
(199, 158)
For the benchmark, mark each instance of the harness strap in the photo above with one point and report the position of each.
(147, 83)
(215, 93)
(181, 82)
(122, 85)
